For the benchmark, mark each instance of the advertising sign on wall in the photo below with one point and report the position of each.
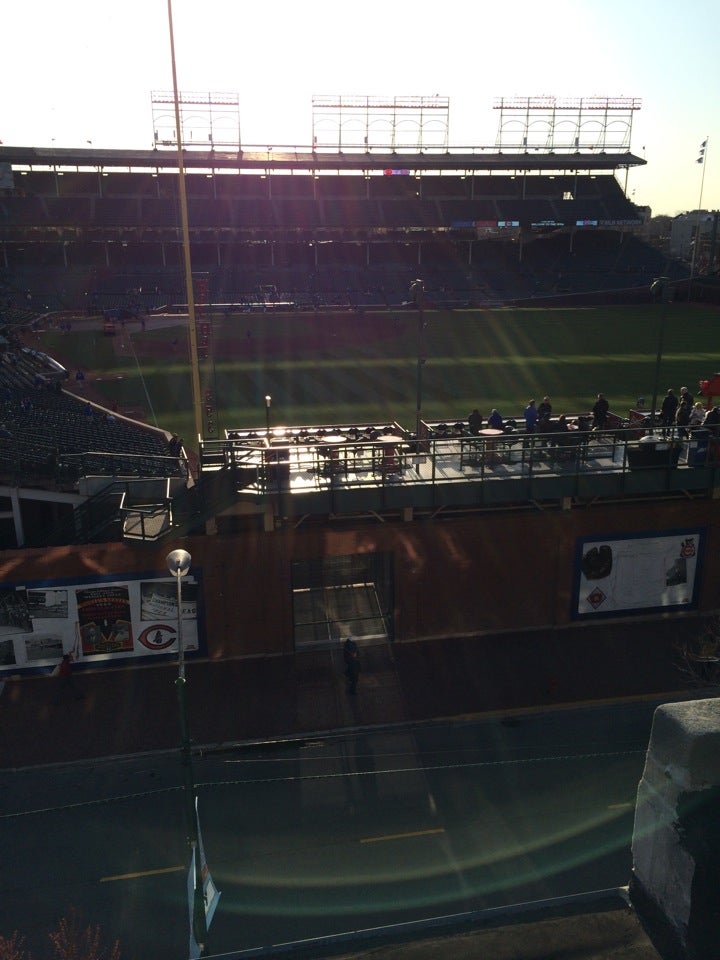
(634, 574)
(97, 620)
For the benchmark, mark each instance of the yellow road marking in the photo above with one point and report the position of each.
(402, 836)
(620, 806)
(141, 873)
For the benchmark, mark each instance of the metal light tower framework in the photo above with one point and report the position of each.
(363, 123)
(205, 120)
(565, 124)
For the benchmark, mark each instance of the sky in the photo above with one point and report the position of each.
(83, 71)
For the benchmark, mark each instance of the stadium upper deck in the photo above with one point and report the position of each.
(298, 159)
(453, 190)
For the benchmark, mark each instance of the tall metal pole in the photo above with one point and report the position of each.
(417, 296)
(178, 562)
(659, 291)
(696, 244)
(420, 364)
(192, 329)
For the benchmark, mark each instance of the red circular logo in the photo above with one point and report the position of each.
(158, 637)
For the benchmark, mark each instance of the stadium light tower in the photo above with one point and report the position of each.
(192, 329)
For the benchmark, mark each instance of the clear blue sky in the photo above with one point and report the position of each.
(83, 70)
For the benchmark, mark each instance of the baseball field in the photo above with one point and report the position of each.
(343, 367)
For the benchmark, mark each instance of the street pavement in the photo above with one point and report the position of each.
(119, 712)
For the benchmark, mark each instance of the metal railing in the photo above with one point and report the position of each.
(618, 460)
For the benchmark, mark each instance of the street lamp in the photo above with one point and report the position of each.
(178, 563)
(659, 289)
(417, 296)
(268, 401)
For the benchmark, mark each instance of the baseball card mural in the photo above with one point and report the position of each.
(98, 619)
(637, 574)
(104, 619)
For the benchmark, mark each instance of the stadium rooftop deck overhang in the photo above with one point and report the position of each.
(481, 160)
(343, 471)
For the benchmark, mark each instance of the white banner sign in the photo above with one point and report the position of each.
(95, 620)
(641, 573)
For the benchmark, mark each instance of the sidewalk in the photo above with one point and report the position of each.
(136, 710)
(600, 927)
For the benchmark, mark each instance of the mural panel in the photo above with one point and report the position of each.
(100, 620)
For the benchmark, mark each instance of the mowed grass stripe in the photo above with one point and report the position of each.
(230, 367)
(352, 368)
(451, 387)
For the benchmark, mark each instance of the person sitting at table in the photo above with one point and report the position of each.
(475, 422)
(544, 410)
(495, 420)
(697, 415)
(562, 427)
(563, 437)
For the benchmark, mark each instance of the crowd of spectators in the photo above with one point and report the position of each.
(678, 418)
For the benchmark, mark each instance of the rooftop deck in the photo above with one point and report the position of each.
(374, 467)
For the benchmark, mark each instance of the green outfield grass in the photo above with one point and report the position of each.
(347, 367)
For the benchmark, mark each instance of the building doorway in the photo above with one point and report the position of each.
(336, 597)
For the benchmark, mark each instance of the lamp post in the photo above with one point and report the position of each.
(178, 563)
(268, 401)
(417, 296)
(658, 288)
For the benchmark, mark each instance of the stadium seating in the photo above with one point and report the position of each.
(52, 431)
(478, 237)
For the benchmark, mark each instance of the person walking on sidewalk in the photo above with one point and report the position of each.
(351, 656)
(65, 680)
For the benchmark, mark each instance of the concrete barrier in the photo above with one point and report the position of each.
(676, 838)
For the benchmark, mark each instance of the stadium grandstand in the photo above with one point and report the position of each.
(315, 229)
(348, 222)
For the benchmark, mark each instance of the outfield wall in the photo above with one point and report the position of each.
(483, 573)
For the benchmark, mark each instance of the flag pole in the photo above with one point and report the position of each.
(702, 160)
